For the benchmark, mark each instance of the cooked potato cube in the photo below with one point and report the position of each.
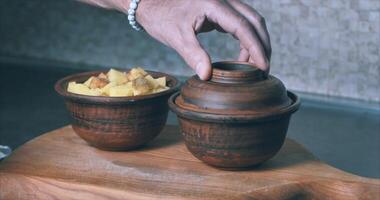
(161, 81)
(119, 84)
(160, 89)
(106, 89)
(70, 86)
(117, 76)
(152, 82)
(141, 86)
(140, 70)
(79, 88)
(103, 76)
(136, 73)
(96, 92)
(121, 90)
(88, 82)
(98, 83)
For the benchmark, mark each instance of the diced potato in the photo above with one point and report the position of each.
(121, 90)
(98, 83)
(153, 83)
(160, 89)
(137, 92)
(161, 81)
(106, 89)
(140, 70)
(96, 92)
(79, 88)
(141, 86)
(129, 84)
(118, 84)
(102, 75)
(70, 86)
(136, 73)
(88, 82)
(117, 76)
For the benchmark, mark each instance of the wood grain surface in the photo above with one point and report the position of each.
(60, 165)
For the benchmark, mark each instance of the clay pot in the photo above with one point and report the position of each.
(239, 118)
(117, 123)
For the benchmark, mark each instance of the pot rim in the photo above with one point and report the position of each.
(234, 118)
(235, 72)
(61, 88)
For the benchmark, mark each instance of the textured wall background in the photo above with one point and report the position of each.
(329, 47)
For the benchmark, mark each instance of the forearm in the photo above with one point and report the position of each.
(119, 5)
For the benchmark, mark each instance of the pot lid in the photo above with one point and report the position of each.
(235, 88)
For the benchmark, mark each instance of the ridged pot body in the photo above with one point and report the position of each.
(117, 123)
(118, 127)
(233, 145)
(237, 119)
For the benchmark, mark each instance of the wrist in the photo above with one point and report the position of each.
(124, 5)
(132, 15)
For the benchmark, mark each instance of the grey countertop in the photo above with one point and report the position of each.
(343, 133)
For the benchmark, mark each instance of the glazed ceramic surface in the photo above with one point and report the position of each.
(239, 118)
(117, 123)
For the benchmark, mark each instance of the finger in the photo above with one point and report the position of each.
(250, 60)
(209, 26)
(241, 28)
(257, 21)
(188, 46)
(244, 54)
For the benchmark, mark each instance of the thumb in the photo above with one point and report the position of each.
(194, 55)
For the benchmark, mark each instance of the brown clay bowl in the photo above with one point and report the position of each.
(238, 119)
(117, 123)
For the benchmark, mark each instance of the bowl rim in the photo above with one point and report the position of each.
(234, 118)
(61, 88)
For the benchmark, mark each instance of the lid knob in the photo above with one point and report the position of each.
(235, 72)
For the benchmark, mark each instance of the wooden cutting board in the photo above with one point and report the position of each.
(60, 165)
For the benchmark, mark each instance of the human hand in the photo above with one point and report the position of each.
(176, 23)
